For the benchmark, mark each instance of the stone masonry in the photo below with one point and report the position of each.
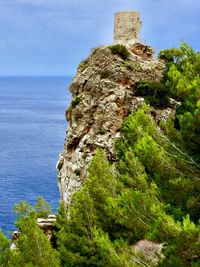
(127, 27)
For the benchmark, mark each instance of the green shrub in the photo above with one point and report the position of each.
(184, 84)
(4, 249)
(155, 93)
(171, 55)
(33, 248)
(120, 50)
(132, 66)
(104, 74)
(75, 102)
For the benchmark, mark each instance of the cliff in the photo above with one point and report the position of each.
(103, 94)
(139, 200)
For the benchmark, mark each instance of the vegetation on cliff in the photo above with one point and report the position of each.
(32, 247)
(152, 191)
(140, 197)
(120, 50)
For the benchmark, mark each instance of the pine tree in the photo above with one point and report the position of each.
(4, 249)
(32, 247)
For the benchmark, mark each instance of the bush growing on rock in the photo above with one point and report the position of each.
(155, 93)
(134, 199)
(75, 102)
(120, 50)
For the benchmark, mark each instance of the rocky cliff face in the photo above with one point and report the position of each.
(102, 96)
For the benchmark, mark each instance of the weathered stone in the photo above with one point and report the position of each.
(162, 114)
(127, 27)
(104, 101)
(144, 51)
(44, 223)
(151, 251)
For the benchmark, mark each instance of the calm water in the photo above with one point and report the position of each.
(32, 132)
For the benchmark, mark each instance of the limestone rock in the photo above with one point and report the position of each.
(144, 51)
(48, 226)
(149, 250)
(47, 222)
(102, 96)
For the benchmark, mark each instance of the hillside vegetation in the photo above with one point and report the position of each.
(152, 191)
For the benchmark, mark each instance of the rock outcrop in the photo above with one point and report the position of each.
(102, 96)
(47, 225)
(148, 250)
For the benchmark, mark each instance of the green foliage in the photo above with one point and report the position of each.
(105, 215)
(172, 171)
(180, 81)
(119, 50)
(135, 199)
(42, 208)
(104, 74)
(22, 208)
(75, 102)
(88, 210)
(33, 249)
(4, 249)
(184, 84)
(172, 55)
(170, 167)
(183, 248)
(156, 94)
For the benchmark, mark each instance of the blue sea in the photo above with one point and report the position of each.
(32, 133)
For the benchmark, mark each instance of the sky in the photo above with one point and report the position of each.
(51, 37)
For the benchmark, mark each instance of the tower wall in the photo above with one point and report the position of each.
(127, 27)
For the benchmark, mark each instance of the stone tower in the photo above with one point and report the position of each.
(127, 28)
